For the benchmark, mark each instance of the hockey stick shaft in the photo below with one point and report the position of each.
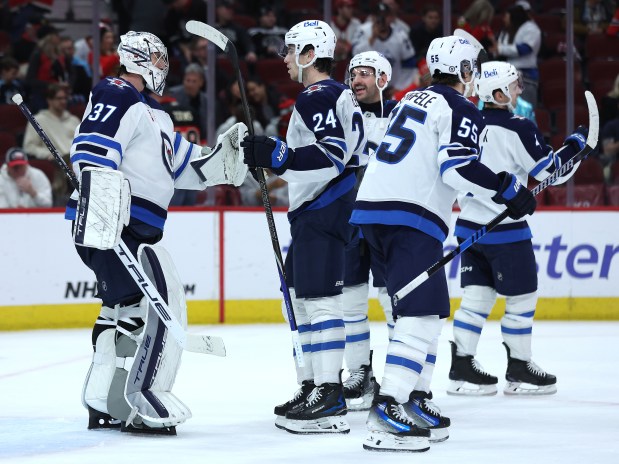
(213, 35)
(190, 342)
(592, 140)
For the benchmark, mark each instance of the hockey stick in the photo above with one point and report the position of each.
(190, 342)
(213, 35)
(592, 141)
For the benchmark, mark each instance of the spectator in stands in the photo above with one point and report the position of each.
(345, 26)
(592, 17)
(264, 100)
(519, 43)
(60, 126)
(109, 61)
(613, 28)
(398, 23)
(237, 34)
(394, 44)
(21, 185)
(179, 12)
(251, 195)
(238, 114)
(610, 103)
(476, 20)
(426, 30)
(9, 84)
(189, 95)
(24, 46)
(267, 37)
(79, 77)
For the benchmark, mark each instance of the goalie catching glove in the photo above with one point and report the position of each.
(267, 152)
(223, 164)
(102, 209)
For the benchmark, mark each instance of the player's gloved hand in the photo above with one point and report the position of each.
(515, 196)
(578, 139)
(260, 151)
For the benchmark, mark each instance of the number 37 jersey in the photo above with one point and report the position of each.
(417, 171)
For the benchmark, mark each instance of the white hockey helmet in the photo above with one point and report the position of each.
(496, 75)
(316, 33)
(144, 54)
(374, 60)
(452, 55)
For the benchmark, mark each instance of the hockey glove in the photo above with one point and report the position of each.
(267, 152)
(515, 196)
(578, 139)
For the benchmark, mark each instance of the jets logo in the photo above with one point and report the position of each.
(117, 82)
(313, 88)
(167, 153)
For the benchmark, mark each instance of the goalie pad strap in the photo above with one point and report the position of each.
(103, 208)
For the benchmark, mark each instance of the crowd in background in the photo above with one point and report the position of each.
(53, 70)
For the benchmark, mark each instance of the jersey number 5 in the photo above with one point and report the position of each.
(401, 138)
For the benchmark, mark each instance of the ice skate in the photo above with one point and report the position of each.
(360, 387)
(468, 378)
(101, 420)
(391, 429)
(427, 415)
(322, 412)
(527, 378)
(297, 400)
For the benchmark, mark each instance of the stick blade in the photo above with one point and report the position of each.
(205, 344)
(594, 120)
(209, 33)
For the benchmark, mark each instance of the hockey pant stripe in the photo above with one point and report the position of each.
(358, 337)
(336, 345)
(465, 326)
(328, 324)
(525, 331)
(407, 363)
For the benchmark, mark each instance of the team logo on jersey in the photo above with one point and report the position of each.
(167, 152)
(314, 88)
(117, 82)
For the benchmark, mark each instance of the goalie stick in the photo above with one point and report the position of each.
(214, 36)
(189, 342)
(592, 141)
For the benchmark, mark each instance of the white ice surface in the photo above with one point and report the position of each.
(232, 399)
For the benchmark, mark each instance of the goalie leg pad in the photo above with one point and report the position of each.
(147, 362)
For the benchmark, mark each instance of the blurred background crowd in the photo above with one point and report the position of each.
(46, 54)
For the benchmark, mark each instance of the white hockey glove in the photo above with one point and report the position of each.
(102, 209)
(224, 163)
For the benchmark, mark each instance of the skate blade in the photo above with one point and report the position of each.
(332, 424)
(388, 442)
(280, 422)
(360, 404)
(145, 430)
(462, 388)
(439, 435)
(527, 389)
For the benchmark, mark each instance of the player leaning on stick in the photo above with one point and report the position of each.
(129, 161)
(503, 261)
(429, 153)
(369, 75)
(325, 140)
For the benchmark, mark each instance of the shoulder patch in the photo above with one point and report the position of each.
(314, 88)
(117, 82)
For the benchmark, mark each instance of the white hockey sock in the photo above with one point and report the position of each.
(424, 380)
(355, 305)
(469, 319)
(517, 324)
(328, 337)
(385, 302)
(407, 353)
(305, 336)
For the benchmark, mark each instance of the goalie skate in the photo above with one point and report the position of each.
(322, 412)
(527, 378)
(427, 415)
(468, 378)
(297, 400)
(391, 429)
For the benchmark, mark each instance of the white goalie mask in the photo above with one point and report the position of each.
(374, 60)
(316, 33)
(453, 55)
(144, 54)
(496, 75)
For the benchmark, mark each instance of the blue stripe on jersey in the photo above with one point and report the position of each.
(177, 141)
(303, 328)
(148, 212)
(400, 213)
(335, 189)
(180, 170)
(93, 159)
(99, 140)
(543, 164)
(326, 346)
(431, 358)
(400, 361)
(503, 233)
(456, 162)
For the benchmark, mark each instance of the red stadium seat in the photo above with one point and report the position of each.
(12, 120)
(601, 46)
(613, 194)
(554, 68)
(47, 166)
(7, 140)
(581, 116)
(554, 94)
(585, 195)
(602, 69)
(226, 66)
(614, 172)
(244, 21)
(590, 171)
(290, 89)
(272, 70)
(549, 22)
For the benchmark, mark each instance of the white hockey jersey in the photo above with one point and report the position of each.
(429, 153)
(126, 130)
(514, 144)
(327, 135)
(375, 121)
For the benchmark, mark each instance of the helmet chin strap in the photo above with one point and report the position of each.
(382, 107)
(301, 67)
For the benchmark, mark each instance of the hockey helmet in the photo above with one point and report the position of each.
(144, 54)
(315, 33)
(374, 60)
(496, 75)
